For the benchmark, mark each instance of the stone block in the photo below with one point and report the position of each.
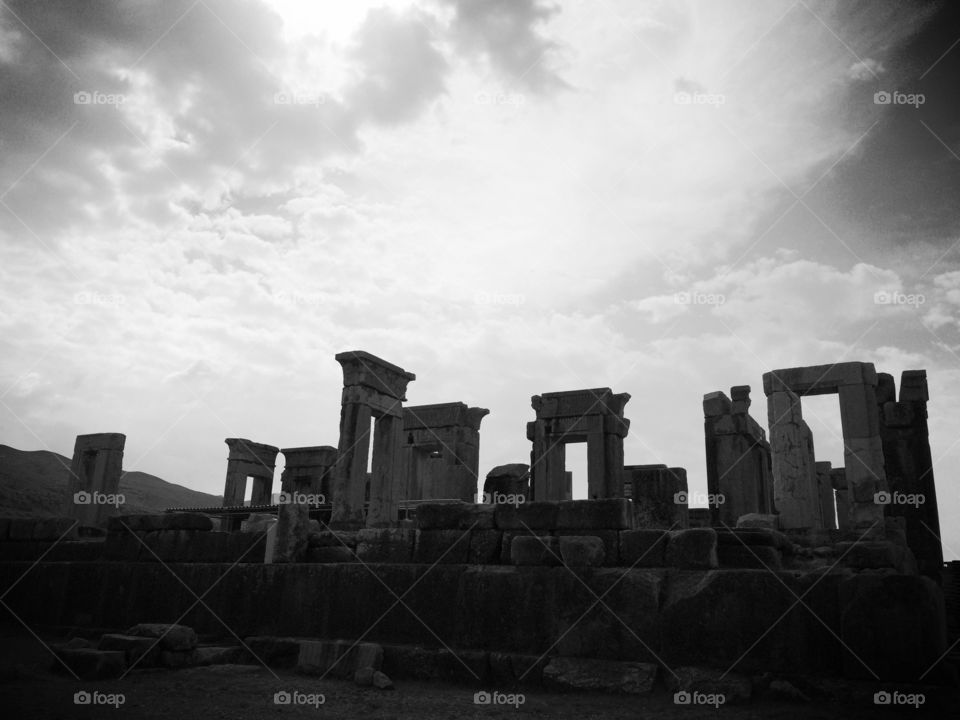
(478, 517)
(125, 548)
(441, 546)
(581, 550)
(51, 529)
(759, 520)
(172, 637)
(334, 538)
(176, 659)
(871, 554)
(279, 652)
(330, 555)
(484, 547)
(21, 528)
(526, 516)
(609, 538)
(892, 625)
(749, 556)
(90, 664)
(139, 651)
(693, 548)
(643, 548)
(226, 655)
(335, 658)
(726, 688)
(534, 550)
(385, 545)
(607, 514)
(442, 515)
(607, 675)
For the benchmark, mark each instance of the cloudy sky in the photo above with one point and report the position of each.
(202, 202)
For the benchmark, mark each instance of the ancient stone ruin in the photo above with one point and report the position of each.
(788, 566)
(95, 477)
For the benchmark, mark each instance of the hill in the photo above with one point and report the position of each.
(34, 484)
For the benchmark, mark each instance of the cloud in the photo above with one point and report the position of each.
(507, 34)
(866, 69)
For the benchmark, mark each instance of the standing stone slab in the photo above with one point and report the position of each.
(94, 487)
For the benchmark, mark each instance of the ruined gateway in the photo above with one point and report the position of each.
(795, 567)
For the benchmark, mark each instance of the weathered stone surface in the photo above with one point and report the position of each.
(693, 548)
(226, 655)
(526, 516)
(581, 550)
(606, 514)
(90, 664)
(643, 548)
(322, 657)
(484, 547)
(50, 529)
(330, 555)
(334, 538)
(442, 515)
(759, 520)
(369, 655)
(133, 647)
(272, 651)
(871, 554)
(443, 546)
(364, 677)
(749, 556)
(382, 681)
(893, 626)
(730, 687)
(172, 637)
(176, 659)
(385, 545)
(591, 674)
(161, 521)
(534, 550)
(478, 517)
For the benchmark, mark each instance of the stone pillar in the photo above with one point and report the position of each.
(659, 495)
(826, 506)
(372, 388)
(841, 495)
(738, 458)
(307, 470)
(862, 452)
(794, 475)
(248, 459)
(909, 470)
(94, 488)
(303, 485)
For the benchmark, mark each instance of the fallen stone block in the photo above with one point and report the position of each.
(608, 514)
(139, 651)
(172, 637)
(336, 658)
(534, 550)
(693, 548)
(719, 688)
(227, 655)
(441, 546)
(643, 548)
(88, 664)
(176, 659)
(364, 677)
(382, 681)
(280, 652)
(608, 675)
(581, 551)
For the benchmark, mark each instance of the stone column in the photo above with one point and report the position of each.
(862, 452)
(841, 494)
(386, 471)
(248, 459)
(350, 470)
(794, 475)
(94, 488)
(304, 479)
(826, 506)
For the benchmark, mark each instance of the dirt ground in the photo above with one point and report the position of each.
(28, 689)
